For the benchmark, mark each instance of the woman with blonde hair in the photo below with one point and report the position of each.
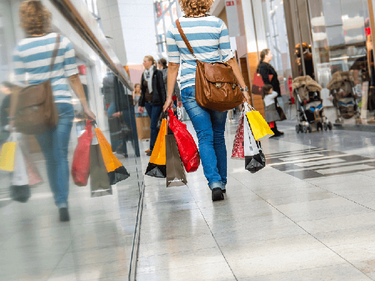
(208, 36)
(152, 96)
(32, 58)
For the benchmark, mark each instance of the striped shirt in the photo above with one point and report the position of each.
(32, 58)
(209, 39)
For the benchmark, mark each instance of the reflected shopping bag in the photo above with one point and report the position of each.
(238, 148)
(157, 164)
(175, 170)
(8, 154)
(32, 170)
(254, 157)
(116, 171)
(99, 180)
(20, 189)
(81, 157)
(258, 124)
(186, 145)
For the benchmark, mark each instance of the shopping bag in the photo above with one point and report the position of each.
(157, 164)
(254, 157)
(258, 83)
(81, 157)
(186, 145)
(20, 189)
(143, 127)
(175, 170)
(116, 171)
(99, 179)
(261, 130)
(32, 170)
(7, 155)
(238, 148)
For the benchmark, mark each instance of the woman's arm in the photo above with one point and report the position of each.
(171, 81)
(77, 87)
(237, 73)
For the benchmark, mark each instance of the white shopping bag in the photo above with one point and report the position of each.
(20, 176)
(250, 146)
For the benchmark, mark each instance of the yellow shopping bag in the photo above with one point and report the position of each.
(258, 125)
(7, 156)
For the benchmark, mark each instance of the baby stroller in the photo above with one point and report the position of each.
(310, 111)
(344, 97)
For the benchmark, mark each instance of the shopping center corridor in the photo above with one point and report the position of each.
(309, 215)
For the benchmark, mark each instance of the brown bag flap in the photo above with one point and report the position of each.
(218, 72)
(34, 94)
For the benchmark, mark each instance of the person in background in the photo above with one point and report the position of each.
(209, 124)
(269, 95)
(265, 70)
(152, 96)
(163, 67)
(136, 97)
(30, 69)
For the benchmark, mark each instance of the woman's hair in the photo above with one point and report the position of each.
(34, 17)
(193, 8)
(163, 63)
(266, 90)
(151, 58)
(263, 54)
(136, 84)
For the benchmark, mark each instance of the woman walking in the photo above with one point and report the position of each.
(265, 70)
(152, 96)
(209, 38)
(32, 58)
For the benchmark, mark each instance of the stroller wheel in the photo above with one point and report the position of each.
(297, 129)
(330, 126)
(325, 126)
(319, 126)
(304, 129)
(309, 128)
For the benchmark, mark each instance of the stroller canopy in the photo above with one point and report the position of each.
(304, 85)
(338, 78)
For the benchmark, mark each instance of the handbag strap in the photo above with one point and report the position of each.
(184, 38)
(54, 54)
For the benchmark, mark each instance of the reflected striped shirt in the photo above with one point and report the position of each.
(209, 39)
(32, 58)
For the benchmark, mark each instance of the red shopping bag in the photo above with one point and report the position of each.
(238, 148)
(186, 144)
(81, 157)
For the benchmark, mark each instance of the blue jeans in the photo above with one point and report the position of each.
(210, 127)
(54, 145)
(154, 113)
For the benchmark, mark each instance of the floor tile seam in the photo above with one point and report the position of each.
(317, 239)
(213, 236)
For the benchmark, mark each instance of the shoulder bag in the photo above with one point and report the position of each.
(216, 87)
(36, 112)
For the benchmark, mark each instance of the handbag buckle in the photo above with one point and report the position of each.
(218, 85)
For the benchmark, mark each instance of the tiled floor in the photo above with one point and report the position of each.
(309, 215)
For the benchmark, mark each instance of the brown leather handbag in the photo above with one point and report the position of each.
(216, 87)
(36, 112)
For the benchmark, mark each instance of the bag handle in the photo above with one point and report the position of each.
(54, 54)
(184, 38)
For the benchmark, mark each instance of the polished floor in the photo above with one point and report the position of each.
(309, 215)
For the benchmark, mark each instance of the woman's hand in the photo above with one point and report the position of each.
(246, 97)
(168, 104)
(141, 109)
(89, 113)
(179, 104)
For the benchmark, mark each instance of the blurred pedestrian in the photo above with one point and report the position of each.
(32, 59)
(209, 124)
(265, 69)
(163, 67)
(152, 96)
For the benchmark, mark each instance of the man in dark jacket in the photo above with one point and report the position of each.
(152, 96)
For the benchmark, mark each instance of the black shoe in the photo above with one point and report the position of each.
(224, 190)
(280, 133)
(217, 194)
(64, 214)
